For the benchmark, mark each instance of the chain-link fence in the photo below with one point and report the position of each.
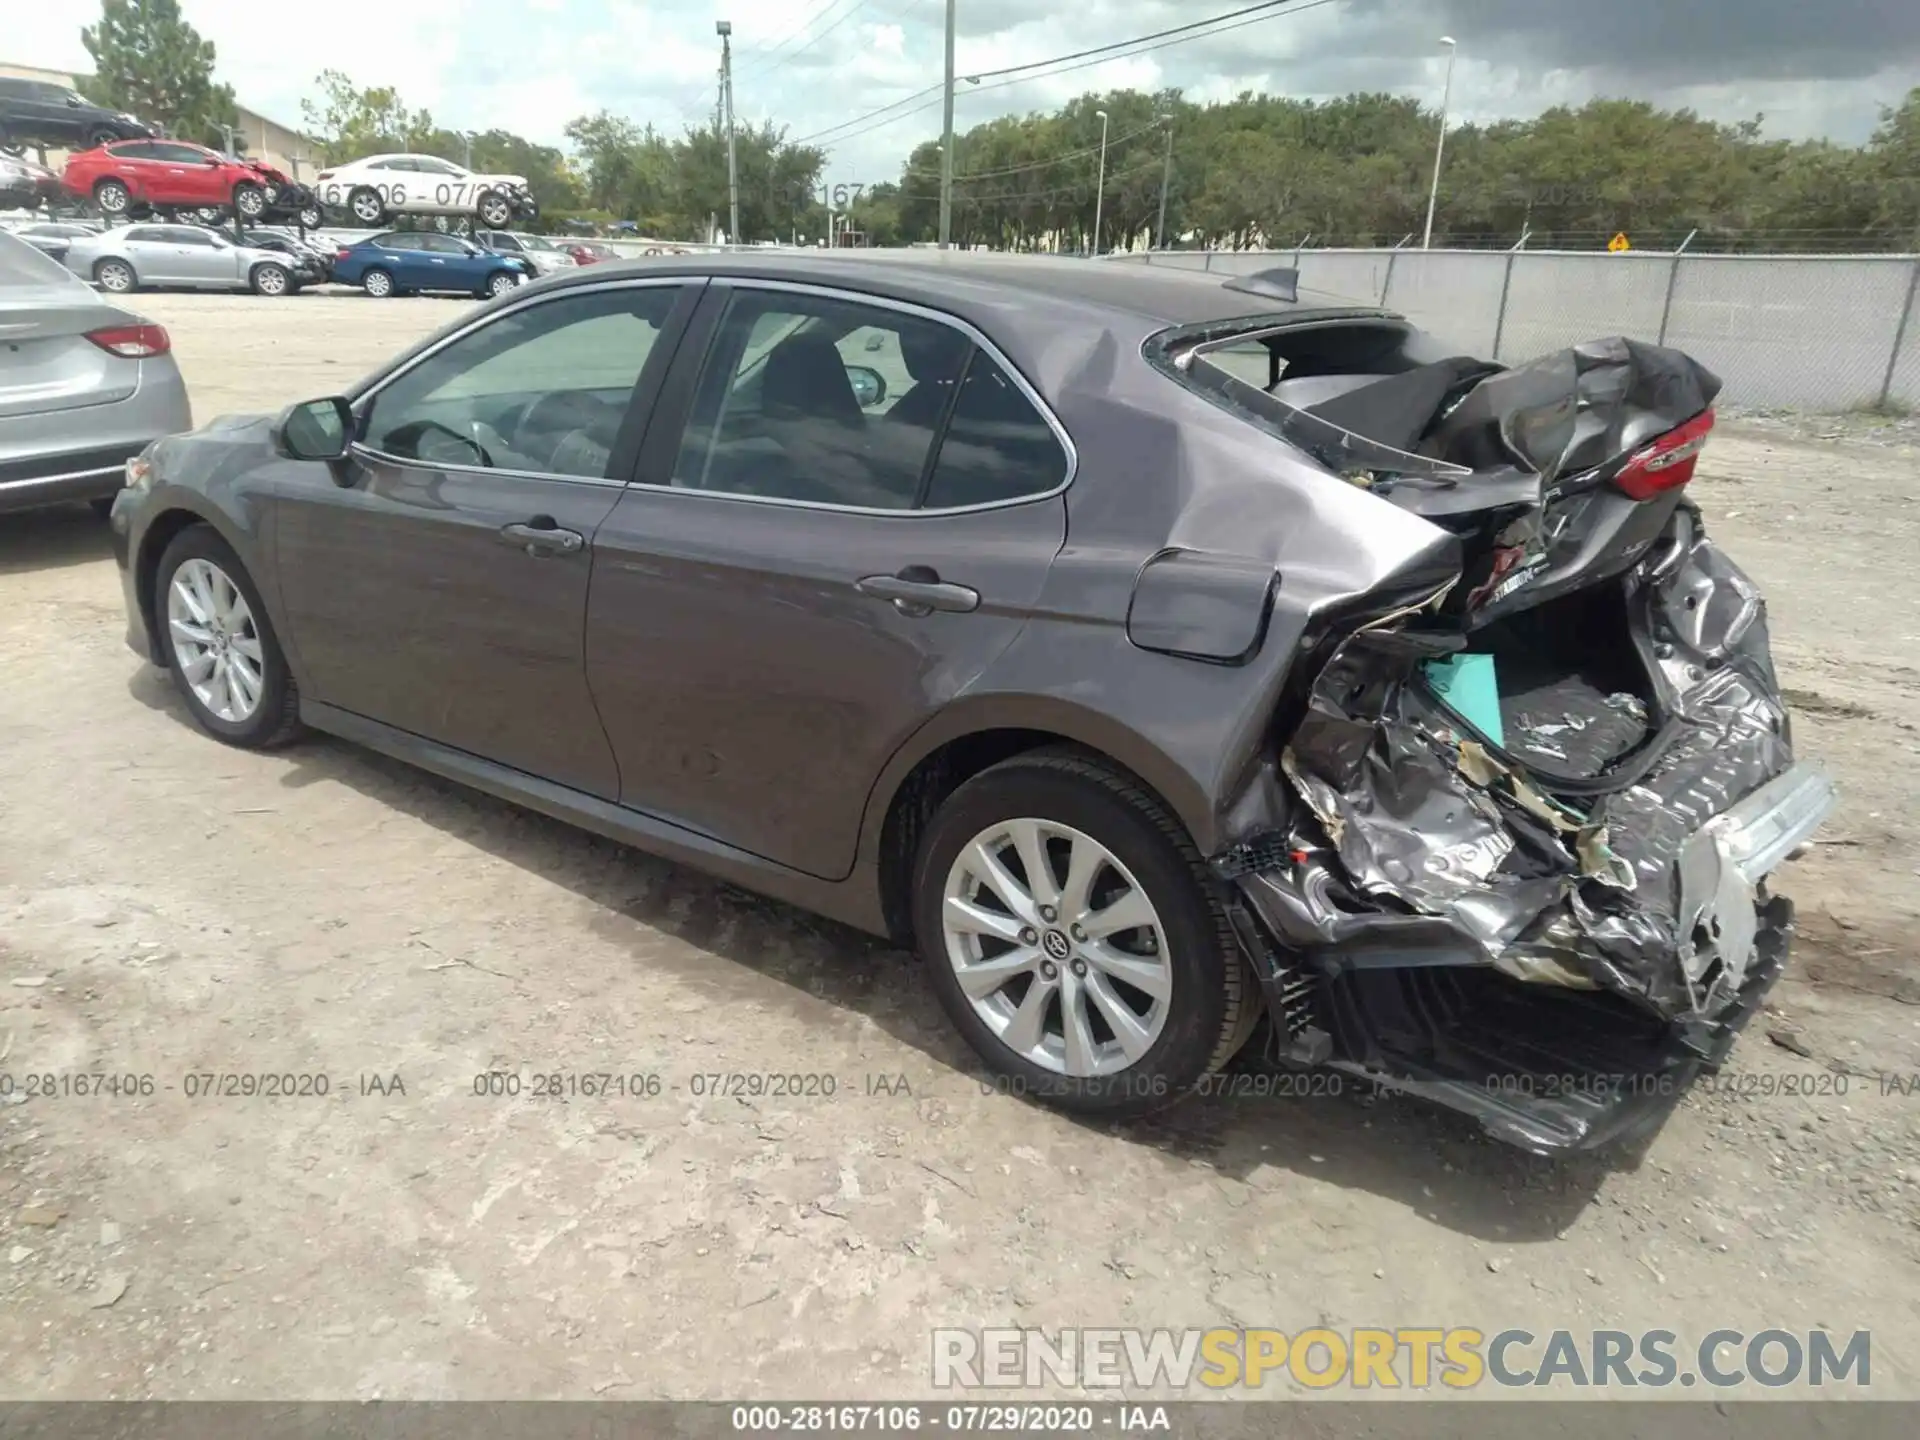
(1813, 332)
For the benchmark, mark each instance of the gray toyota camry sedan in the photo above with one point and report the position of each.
(1182, 666)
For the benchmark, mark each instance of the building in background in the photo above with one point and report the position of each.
(261, 138)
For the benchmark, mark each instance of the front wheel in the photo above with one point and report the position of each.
(271, 279)
(496, 210)
(501, 281)
(311, 217)
(219, 646)
(1075, 938)
(377, 283)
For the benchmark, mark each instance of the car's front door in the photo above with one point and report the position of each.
(811, 566)
(443, 591)
(192, 176)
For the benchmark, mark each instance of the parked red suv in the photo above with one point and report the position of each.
(124, 177)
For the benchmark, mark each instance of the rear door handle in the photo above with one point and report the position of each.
(540, 536)
(918, 590)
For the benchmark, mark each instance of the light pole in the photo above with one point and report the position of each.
(1100, 190)
(946, 141)
(724, 29)
(1166, 179)
(1440, 146)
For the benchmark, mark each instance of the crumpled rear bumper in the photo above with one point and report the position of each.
(1428, 917)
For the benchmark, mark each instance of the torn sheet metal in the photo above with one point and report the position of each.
(1421, 821)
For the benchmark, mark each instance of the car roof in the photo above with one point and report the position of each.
(966, 282)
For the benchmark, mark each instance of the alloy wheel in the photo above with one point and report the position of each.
(114, 276)
(271, 280)
(501, 283)
(1057, 947)
(367, 207)
(378, 284)
(215, 640)
(496, 210)
(112, 197)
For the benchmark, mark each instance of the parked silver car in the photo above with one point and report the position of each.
(85, 385)
(53, 238)
(124, 259)
(538, 251)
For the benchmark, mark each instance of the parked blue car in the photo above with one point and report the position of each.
(408, 262)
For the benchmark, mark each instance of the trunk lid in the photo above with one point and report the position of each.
(46, 361)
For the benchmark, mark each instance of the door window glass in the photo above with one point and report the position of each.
(796, 401)
(138, 150)
(543, 389)
(997, 446)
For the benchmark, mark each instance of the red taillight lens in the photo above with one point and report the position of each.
(341, 253)
(1668, 462)
(134, 342)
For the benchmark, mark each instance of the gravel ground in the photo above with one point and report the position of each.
(171, 907)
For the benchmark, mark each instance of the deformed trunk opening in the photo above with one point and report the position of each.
(1571, 693)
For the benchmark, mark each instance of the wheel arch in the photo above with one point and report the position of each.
(159, 533)
(964, 740)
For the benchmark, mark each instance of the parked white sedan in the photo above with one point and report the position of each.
(379, 187)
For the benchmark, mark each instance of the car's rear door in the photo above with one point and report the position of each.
(443, 590)
(799, 581)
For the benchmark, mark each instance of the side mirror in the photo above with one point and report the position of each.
(868, 386)
(314, 430)
(74, 102)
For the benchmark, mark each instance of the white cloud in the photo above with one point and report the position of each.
(531, 65)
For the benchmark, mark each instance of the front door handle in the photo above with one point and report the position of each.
(918, 590)
(540, 536)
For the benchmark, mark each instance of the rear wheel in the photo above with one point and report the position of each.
(271, 279)
(496, 210)
(377, 283)
(311, 217)
(222, 652)
(1075, 938)
(249, 200)
(113, 198)
(366, 205)
(115, 276)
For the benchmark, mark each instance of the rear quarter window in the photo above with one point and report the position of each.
(997, 447)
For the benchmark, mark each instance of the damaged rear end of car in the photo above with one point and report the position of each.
(1511, 845)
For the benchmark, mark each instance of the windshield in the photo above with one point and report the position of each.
(536, 242)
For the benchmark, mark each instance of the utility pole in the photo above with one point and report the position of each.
(1440, 145)
(724, 28)
(946, 142)
(1100, 190)
(1166, 180)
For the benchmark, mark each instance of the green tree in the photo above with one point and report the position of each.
(149, 62)
(347, 122)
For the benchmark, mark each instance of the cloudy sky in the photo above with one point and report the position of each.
(1812, 67)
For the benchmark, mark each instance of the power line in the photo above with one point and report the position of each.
(763, 69)
(958, 176)
(1067, 64)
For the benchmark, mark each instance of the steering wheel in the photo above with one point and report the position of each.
(422, 428)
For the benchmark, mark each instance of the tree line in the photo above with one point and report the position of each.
(1257, 170)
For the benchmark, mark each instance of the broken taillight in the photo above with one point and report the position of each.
(132, 342)
(1668, 462)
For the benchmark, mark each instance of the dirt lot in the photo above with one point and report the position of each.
(169, 906)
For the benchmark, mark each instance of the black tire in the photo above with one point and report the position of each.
(495, 210)
(270, 279)
(101, 137)
(379, 284)
(499, 283)
(1213, 992)
(276, 718)
(311, 217)
(249, 201)
(366, 206)
(113, 198)
(116, 277)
